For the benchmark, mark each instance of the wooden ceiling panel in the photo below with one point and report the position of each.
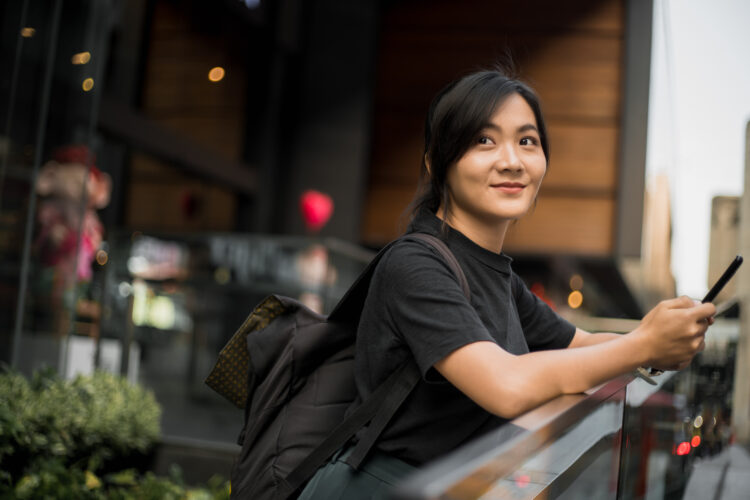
(581, 226)
(582, 157)
(530, 15)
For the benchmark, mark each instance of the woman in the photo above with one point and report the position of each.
(504, 352)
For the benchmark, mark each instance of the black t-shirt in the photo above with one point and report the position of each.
(416, 312)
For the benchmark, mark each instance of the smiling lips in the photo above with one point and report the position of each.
(509, 187)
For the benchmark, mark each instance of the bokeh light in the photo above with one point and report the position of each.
(683, 448)
(216, 74)
(575, 299)
(81, 58)
(222, 275)
(101, 257)
(576, 282)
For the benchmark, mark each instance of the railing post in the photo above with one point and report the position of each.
(741, 402)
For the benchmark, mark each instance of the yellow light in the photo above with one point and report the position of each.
(27, 32)
(88, 84)
(161, 313)
(698, 422)
(101, 257)
(222, 275)
(575, 299)
(140, 303)
(216, 74)
(81, 58)
(576, 282)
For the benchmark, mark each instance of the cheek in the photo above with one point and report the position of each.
(458, 181)
(540, 171)
(537, 177)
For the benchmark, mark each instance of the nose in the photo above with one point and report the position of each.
(508, 159)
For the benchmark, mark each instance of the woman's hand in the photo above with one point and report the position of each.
(673, 332)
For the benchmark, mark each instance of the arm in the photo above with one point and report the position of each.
(583, 338)
(507, 385)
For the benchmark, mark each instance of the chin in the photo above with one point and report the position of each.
(513, 214)
(512, 217)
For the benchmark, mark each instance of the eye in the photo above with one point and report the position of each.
(529, 141)
(483, 139)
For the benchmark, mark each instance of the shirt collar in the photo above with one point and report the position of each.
(427, 222)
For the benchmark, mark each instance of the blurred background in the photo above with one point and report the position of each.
(166, 164)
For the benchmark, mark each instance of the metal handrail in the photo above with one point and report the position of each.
(475, 468)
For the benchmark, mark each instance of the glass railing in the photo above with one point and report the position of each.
(172, 302)
(167, 304)
(625, 439)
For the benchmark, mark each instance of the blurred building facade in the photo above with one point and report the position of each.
(202, 117)
(208, 120)
(331, 96)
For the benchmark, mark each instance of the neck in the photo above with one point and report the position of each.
(489, 235)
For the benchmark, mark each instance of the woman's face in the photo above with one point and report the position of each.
(498, 177)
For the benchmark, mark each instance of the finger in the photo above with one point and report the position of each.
(703, 311)
(682, 302)
(698, 343)
(699, 332)
(706, 322)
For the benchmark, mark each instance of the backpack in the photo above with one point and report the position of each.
(292, 370)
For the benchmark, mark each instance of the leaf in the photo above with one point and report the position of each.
(125, 477)
(92, 481)
(26, 486)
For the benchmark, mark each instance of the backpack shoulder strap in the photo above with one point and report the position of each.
(383, 403)
(446, 253)
(350, 306)
(387, 398)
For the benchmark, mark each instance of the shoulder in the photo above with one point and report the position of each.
(517, 284)
(411, 263)
(406, 254)
(525, 299)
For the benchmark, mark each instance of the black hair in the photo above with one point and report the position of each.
(457, 114)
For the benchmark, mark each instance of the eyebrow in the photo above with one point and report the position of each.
(523, 128)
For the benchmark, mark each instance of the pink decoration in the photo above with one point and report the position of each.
(61, 218)
(316, 208)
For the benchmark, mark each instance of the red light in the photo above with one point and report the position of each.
(537, 289)
(683, 448)
(522, 480)
(696, 441)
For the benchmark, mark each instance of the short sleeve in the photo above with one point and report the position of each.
(543, 328)
(426, 306)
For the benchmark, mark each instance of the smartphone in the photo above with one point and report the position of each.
(723, 280)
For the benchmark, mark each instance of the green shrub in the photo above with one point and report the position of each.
(67, 439)
(52, 480)
(95, 418)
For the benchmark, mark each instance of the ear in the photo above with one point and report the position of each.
(427, 164)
